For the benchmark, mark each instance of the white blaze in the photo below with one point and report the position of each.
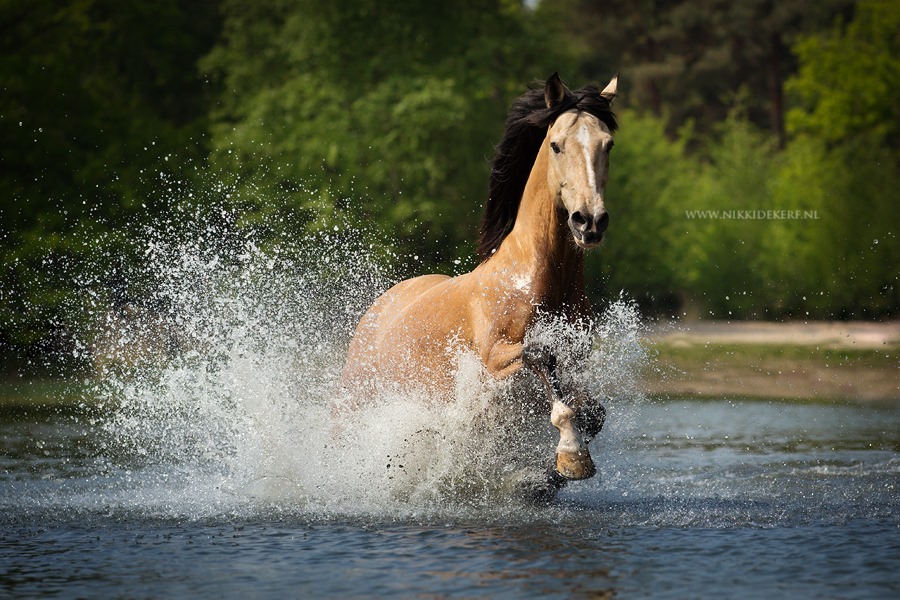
(584, 138)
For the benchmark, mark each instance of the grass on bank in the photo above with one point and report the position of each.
(711, 354)
(788, 371)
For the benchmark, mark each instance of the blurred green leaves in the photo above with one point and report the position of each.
(94, 101)
(384, 116)
(389, 112)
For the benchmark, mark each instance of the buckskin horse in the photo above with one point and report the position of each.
(546, 207)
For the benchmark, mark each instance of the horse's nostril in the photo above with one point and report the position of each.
(581, 221)
(603, 222)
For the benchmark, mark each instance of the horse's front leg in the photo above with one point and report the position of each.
(573, 460)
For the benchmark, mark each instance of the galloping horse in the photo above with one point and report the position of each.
(546, 206)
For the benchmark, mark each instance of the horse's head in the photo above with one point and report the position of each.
(579, 145)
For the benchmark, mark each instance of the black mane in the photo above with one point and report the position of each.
(526, 127)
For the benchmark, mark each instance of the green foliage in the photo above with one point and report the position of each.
(95, 95)
(689, 59)
(732, 280)
(386, 113)
(848, 80)
(836, 253)
(847, 116)
(679, 241)
(743, 230)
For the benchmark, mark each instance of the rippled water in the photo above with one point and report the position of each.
(694, 499)
(202, 458)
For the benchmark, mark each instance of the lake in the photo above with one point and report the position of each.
(694, 499)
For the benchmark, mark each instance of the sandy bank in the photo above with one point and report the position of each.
(816, 360)
(825, 334)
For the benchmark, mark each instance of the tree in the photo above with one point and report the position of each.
(95, 94)
(849, 77)
(385, 113)
(688, 60)
(846, 92)
(649, 177)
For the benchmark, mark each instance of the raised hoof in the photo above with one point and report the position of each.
(575, 465)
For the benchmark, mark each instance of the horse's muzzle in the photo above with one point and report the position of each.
(587, 241)
(588, 229)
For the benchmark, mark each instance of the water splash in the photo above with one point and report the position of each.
(218, 369)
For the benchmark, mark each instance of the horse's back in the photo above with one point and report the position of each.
(387, 344)
(392, 305)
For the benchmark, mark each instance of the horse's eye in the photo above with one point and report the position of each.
(609, 146)
(554, 147)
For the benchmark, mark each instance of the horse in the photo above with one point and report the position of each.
(546, 207)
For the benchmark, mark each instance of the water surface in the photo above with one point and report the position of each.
(701, 499)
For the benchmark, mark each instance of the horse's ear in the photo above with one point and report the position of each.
(609, 92)
(554, 91)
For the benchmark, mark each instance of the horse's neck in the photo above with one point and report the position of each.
(540, 242)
